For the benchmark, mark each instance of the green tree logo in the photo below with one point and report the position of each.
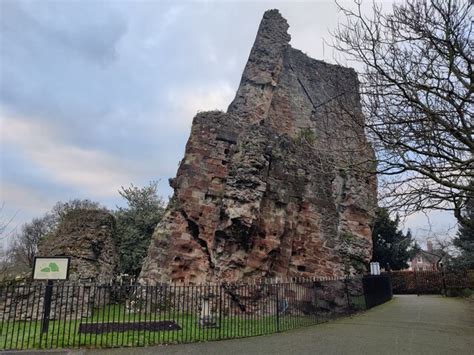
(52, 267)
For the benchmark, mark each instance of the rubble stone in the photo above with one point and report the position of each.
(87, 236)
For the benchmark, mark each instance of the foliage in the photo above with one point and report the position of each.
(416, 86)
(136, 224)
(390, 244)
(306, 136)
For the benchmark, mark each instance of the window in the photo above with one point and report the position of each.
(420, 259)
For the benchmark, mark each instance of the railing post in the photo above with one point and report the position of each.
(220, 310)
(364, 290)
(277, 304)
(315, 300)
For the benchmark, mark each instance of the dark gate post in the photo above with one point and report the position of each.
(47, 307)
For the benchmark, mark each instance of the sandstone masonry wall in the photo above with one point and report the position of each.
(86, 236)
(278, 185)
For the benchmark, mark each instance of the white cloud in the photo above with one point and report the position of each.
(20, 204)
(93, 171)
(187, 102)
(171, 16)
(159, 64)
(25, 200)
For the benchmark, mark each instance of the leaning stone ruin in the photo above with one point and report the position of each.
(278, 186)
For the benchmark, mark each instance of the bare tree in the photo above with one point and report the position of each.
(25, 244)
(417, 86)
(5, 223)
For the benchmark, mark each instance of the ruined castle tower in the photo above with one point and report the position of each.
(87, 235)
(280, 185)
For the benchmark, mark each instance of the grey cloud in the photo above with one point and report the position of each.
(102, 73)
(73, 27)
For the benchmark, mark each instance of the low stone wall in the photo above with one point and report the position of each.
(69, 301)
(323, 298)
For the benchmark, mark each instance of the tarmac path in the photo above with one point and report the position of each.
(405, 325)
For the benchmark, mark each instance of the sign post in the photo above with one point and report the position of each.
(50, 269)
(47, 307)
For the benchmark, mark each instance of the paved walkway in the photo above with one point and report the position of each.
(406, 325)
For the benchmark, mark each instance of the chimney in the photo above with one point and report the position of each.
(429, 246)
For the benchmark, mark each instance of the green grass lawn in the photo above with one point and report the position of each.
(64, 334)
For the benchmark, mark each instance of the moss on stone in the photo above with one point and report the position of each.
(348, 236)
(306, 135)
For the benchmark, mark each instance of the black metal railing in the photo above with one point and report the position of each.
(88, 315)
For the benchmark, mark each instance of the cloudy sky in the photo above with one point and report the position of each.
(95, 95)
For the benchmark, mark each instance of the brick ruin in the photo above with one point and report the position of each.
(278, 186)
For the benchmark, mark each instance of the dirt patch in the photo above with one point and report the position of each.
(98, 328)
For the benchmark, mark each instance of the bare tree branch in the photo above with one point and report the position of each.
(417, 96)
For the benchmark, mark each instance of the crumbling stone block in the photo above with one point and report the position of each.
(87, 236)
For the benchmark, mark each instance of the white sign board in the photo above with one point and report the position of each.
(51, 268)
(374, 268)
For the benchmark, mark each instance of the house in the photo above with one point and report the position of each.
(426, 260)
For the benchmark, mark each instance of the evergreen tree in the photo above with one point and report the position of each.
(390, 245)
(465, 236)
(136, 224)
